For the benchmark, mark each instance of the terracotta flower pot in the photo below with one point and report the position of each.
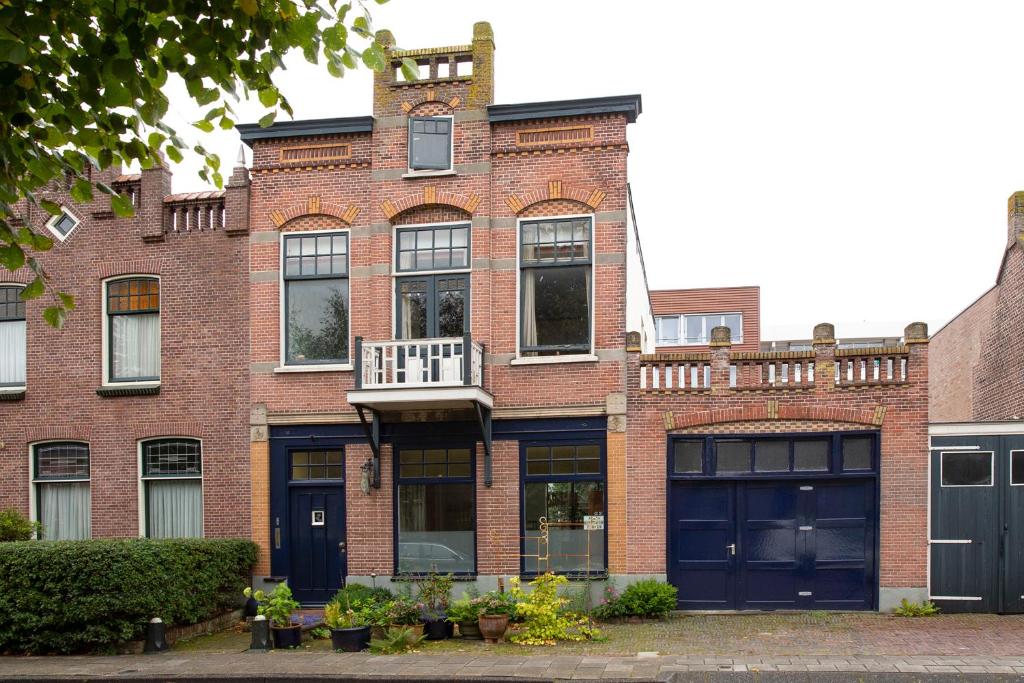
(493, 627)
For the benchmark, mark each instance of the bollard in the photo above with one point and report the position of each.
(260, 634)
(156, 636)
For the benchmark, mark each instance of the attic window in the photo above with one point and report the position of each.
(63, 224)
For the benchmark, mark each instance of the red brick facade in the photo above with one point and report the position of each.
(203, 390)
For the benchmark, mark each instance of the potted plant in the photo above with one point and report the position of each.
(350, 628)
(495, 611)
(277, 607)
(465, 612)
(378, 615)
(435, 593)
(405, 612)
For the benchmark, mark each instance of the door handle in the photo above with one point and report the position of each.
(341, 547)
(731, 548)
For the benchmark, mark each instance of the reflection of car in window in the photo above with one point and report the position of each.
(431, 557)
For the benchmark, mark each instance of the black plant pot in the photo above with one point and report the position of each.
(350, 639)
(290, 636)
(437, 629)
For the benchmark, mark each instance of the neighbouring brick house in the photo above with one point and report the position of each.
(438, 375)
(131, 420)
(976, 411)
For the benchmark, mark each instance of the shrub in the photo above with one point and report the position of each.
(73, 596)
(916, 609)
(648, 598)
(357, 592)
(16, 527)
(611, 606)
(544, 622)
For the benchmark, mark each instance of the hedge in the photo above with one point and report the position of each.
(75, 596)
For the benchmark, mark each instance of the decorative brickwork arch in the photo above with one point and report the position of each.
(430, 195)
(313, 206)
(772, 410)
(556, 189)
(430, 100)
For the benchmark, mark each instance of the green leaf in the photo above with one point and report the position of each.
(204, 126)
(13, 51)
(66, 300)
(410, 69)
(248, 6)
(122, 205)
(268, 120)
(81, 191)
(175, 154)
(373, 57)
(33, 290)
(11, 257)
(226, 123)
(54, 316)
(53, 208)
(269, 96)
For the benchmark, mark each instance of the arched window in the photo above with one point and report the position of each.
(133, 329)
(60, 475)
(172, 480)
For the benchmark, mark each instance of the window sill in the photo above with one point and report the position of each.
(421, 576)
(553, 360)
(12, 394)
(128, 390)
(428, 174)
(596, 575)
(333, 367)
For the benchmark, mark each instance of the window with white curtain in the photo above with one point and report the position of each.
(12, 337)
(555, 287)
(172, 480)
(61, 479)
(133, 329)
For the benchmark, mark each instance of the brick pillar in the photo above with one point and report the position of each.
(259, 463)
(482, 92)
(824, 343)
(721, 346)
(236, 198)
(383, 96)
(155, 185)
(615, 494)
(1014, 219)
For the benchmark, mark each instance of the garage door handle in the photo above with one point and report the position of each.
(731, 548)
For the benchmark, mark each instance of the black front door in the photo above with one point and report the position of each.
(977, 523)
(316, 524)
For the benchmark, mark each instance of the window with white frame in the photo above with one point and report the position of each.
(683, 330)
(63, 224)
(172, 480)
(316, 298)
(430, 143)
(60, 476)
(555, 291)
(12, 337)
(133, 329)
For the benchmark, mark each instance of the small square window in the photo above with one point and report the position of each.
(688, 457)
(971, 468)
(63, 224)
(430, 142)
(771, 456)
(857, 453)
(733, 457)
(810, 456)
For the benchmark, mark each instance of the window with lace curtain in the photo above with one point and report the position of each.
(133, 329)
(12, 337)
(60, 475)
(555, 286)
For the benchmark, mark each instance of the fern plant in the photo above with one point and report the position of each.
(916, 609)
(395, 641)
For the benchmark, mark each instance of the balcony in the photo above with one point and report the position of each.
(419, 374)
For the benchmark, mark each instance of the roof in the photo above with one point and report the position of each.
(619, 104)
(305, 128)
(193, 196)
(704, 300)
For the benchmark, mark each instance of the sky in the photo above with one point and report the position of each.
(852, 158)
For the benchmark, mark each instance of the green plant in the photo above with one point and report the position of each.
(495, 602)
(357, 592)
(649, 598)
(320, 633)
(337, 615)
(16, 527)
(916, 609)
(611, 606)
(378, 613)
(464, 609)
(435, 592)
(395, 641)
(76, 596)
(544, 622)
(277, 606)
(404, 611)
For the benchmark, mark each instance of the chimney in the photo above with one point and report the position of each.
(1015, 217)
(236, 197)
(155, 185)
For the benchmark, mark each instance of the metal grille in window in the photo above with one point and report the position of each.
(563, 459)
(11, 306)
(62, 461)
(561, 241)
(315, 256)
(135, 295)
(317, 465)
(172, 458)
(434, 462)
(433, 248)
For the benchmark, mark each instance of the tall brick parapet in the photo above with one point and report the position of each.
(155, 184)
(721, 343)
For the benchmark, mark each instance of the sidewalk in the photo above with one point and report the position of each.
(760, 647)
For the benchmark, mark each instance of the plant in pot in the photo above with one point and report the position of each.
(350, 626)
(378, 616)
(495, 610)
(403, 611)
(277, 607)
(465, 612)
(435, 594)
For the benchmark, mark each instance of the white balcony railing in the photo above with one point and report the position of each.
(408, 363)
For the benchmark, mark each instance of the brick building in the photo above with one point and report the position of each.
(976, 411)
(438, 376)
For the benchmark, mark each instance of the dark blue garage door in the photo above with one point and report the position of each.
(770, 523)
